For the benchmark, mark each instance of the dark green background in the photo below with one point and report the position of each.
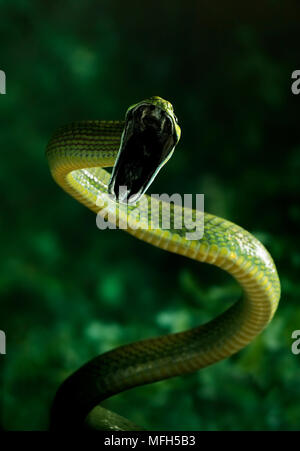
(70, 291)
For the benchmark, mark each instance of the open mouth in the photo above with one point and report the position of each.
(147, 143)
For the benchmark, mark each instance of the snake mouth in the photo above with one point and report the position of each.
(147, 142)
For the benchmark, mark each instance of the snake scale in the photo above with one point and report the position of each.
(137, 148)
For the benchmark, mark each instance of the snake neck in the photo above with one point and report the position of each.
(80, 146)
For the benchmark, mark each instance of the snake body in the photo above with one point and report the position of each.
(77, 155)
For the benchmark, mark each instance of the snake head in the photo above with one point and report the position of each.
(149, 137)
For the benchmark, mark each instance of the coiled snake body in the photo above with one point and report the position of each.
(77, 154)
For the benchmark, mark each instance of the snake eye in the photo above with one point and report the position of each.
(176, 119)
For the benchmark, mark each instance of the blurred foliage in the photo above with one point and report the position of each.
(70, 291)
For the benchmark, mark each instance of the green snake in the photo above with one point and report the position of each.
(137, 148)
